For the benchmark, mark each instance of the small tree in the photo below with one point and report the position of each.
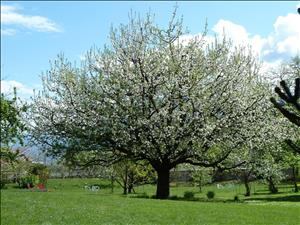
(270, 168)
(12, 128)
(41, 171)
(9, 160)
(128, 174)
(287, 97)
(288, 103)
(245, 174)
(291, 161)
(201, 177)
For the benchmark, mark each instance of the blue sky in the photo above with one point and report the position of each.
(32, 33)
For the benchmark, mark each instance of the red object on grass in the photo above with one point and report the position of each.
(41, 186)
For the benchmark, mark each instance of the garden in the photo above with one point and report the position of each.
(158, 127)
(68, 202)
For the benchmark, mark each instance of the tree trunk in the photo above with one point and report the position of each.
(200, 188)
(247, 186)
(125, 181)
(130, 188)
(112, 183)
(125, 190)
(272, 188)
(125, 185)
(130, 182)
(295, 179)
(246, 176)
(163, 184)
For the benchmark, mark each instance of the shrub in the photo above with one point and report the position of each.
(210, 194)
(41, 171)
(153, 197)
(142, 195)
(188, 195)
(201, 177)
(173, 197)
(2, 183)
(236, 198)
(27, 181)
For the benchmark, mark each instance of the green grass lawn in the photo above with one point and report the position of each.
(67, 202)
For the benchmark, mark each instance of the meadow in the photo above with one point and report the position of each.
(68, 202)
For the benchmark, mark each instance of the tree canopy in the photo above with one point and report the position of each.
(289, 98)
(150, 96)
(12, 126)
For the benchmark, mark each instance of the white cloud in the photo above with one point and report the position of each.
(287, 34)
(10, 15)
(281, 44)
(268, 67)
(8, 32)
(7, 8)
(23, 91)
(237, 33)
(287, 25)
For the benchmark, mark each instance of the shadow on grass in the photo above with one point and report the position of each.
(290, 198)
(193, 199)
(269, 193)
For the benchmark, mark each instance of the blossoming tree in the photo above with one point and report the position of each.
(149, 96)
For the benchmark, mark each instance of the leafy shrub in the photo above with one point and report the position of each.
(210, 194)
(188, 195)
(41, 171)
(2, 183)
(37, 174)
(236, 198)
(142, 195)
(173, 197)
(201, 177)
(27, 181)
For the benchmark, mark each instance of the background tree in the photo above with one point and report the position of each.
(289, 74)
(271, 164)
(288, 103)
(129, 174)
(201, 177)
(150, 97)
(271, 171)
(291, 160)
(11, 157)
(12, 129)
(287, 97)
(256, 155)
(12, 126)
(9, 161)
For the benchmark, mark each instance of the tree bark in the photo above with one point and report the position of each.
(272, 188)
(200, 188)
(130, 182)
(130, 188)
(246, 177)
(247, 186)
(125, 190)
(112, 183)
(163, 183)
(295, 179)
(125, 181)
